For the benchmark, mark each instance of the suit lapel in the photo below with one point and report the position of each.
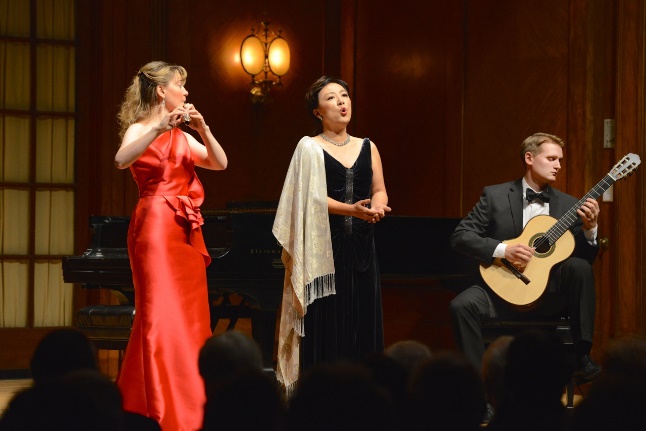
(515, 197)
(556, 209)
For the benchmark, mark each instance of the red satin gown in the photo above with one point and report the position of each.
(159, 376)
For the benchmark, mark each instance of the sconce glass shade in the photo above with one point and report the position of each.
(252, 55)
(262, 55)
(278, 56)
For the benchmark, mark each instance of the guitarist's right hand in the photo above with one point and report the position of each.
(519, 255)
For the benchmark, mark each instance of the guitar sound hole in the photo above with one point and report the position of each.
(542, 245)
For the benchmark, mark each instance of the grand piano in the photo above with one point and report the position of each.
(246, 260)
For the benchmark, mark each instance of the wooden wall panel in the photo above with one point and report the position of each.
(407, 88)
(591, 100)
(630, 196)
(515, 85)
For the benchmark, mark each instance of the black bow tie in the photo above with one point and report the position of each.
(530, 195)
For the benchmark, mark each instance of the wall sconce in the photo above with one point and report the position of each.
(258, 56)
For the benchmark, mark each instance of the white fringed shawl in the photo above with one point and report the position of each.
(302, 227)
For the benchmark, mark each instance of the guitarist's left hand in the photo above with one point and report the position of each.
(589, 213)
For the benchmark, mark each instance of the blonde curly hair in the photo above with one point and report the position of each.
(141, 97)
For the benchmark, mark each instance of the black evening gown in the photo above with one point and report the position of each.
(348, 325)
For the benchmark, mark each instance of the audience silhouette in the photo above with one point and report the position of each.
(104, 397)
(250, 400)
(409, 353)
(494, 362)
(446, 393)
(240, 395)
(60, 352)
(68, 392)
(224, 356)
(339, 396)
(392, 377)
(535, 376)
(626, 356)
(405, 388)
(56, 405)
(617, 398)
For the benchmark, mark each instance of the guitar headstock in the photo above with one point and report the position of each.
(625, 167)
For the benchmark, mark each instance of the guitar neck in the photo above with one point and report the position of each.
(571, 216)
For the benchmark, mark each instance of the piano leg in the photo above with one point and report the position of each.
(263, 330)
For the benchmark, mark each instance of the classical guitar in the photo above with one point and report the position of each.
(553, 243)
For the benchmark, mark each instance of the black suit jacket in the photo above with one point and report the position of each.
(498, 216)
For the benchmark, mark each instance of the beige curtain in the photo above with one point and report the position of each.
(25, 195)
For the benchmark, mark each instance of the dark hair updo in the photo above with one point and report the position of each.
(312, 94)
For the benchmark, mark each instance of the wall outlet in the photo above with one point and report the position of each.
(608, 195)
(609, 133)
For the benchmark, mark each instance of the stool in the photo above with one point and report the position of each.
(108, 326)
(496, 328)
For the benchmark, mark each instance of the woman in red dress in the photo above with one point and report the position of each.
(159, 376)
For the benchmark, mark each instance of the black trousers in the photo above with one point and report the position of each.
(572, 283)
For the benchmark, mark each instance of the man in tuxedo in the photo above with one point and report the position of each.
(500, 215)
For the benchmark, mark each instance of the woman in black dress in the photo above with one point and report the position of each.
(338, 314)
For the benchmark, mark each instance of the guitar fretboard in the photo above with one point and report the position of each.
(571, 216)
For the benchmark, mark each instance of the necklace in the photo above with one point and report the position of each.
(338, 144)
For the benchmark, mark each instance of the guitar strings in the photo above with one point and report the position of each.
(568, 219)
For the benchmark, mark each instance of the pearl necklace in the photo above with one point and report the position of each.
(338, 144)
